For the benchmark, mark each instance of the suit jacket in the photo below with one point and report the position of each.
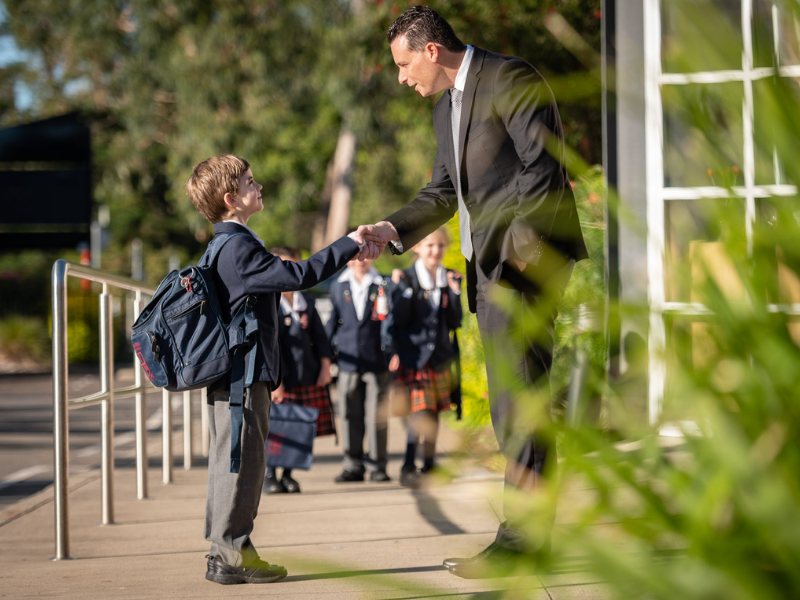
(303, 344)
(519, 198)
(421, 331)
(245, 268)
(360, 344)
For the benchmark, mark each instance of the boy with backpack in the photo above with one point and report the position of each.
(425, 315)
(223, 190)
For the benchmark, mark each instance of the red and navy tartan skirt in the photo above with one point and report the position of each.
(315, 397)
(428, 389)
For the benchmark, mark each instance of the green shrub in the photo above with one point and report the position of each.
(24, 338)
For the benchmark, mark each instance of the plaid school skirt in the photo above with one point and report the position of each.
(428, 389)
(315, 397)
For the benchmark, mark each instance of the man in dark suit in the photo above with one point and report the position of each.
(499, 162)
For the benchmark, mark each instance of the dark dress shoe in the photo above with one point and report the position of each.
(257, 571)
(497, 561)
(272, 485)
(380, 476)
(290, 485)
(348, 476)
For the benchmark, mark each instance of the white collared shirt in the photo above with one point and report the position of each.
(461, 77)
(359, 290)
(255, 235)
(426, 282)
(297, 306)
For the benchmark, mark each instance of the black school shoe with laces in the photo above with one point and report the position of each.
(257, 571)
(497, 561)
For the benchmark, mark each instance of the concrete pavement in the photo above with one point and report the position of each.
(338, 541)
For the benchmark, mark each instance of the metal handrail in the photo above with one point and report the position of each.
(63, 269)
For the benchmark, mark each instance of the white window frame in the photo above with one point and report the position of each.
(657, 194)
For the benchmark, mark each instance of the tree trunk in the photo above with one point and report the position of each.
(338, 188)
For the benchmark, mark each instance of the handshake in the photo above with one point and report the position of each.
(373, 239)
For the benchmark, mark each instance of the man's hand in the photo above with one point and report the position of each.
(397, 275)
(394, 363)
(376, 237)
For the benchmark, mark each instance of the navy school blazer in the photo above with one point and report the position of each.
(245, 268)
(303, 344)
(421, 332)
(359, 345)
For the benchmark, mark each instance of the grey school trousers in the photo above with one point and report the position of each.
(364, 408)
(232, 499)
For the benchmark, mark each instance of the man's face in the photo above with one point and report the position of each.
(419, 70)
(249, 194)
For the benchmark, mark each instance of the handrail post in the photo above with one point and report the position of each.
(166, 437)
(107, 405)
(187, 430)
(204, 433)
(60, 410)
(141, 414)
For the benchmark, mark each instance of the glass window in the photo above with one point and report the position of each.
(775, 235)
(703, 135)
(705, 240)
(701, 35)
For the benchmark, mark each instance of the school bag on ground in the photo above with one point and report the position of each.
(183, 341)
(292, 429)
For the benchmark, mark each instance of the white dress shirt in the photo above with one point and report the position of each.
(359, 290)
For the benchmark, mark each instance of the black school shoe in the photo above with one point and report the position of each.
(349, 476)
(410, 477)
(290, 485)
(273, 486)
(258, 571)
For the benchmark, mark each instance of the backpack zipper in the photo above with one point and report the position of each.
(183, 313)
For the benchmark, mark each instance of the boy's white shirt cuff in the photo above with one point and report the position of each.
(352, 236)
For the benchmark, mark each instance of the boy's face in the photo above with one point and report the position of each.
(360, 267)
(431, 250)
(248, 198)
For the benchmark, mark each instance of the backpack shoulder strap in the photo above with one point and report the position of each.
(209, 258)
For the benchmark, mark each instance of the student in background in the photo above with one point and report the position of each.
(425, 315)
(360, 305)
(305, 367)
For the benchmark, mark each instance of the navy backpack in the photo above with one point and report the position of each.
(183, 341)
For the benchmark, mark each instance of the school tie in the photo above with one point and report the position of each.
(464, 224)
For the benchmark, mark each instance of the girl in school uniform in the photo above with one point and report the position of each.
(305, 366)
(426, 312)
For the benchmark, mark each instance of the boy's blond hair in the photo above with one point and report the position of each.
(288, 251)
(211, 180)
(442, 231)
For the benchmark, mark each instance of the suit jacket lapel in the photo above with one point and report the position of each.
(475, 66)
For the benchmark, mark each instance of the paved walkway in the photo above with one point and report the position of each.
(338, 541)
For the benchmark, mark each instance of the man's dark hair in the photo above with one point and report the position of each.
(422, 24)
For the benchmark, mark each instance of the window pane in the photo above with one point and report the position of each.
(789, 32)
(763, 34)
(775, 253)
(703, 135)
(776, 104)
(705, 240)
(770, 16)
(701, 35)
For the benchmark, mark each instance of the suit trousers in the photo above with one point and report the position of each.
(517, 322)
(364, 409)
(233, 498)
